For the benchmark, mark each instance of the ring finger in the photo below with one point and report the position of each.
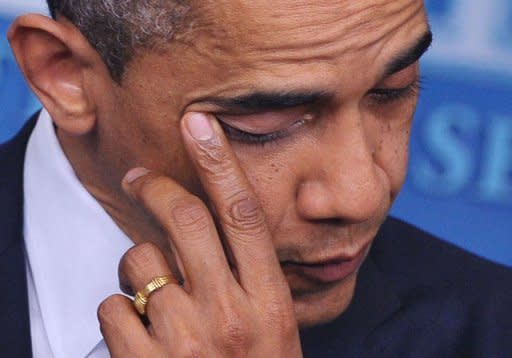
(138, 267)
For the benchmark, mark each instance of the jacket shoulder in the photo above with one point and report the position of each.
(414, 257)
(466, 300)
(20, 140)
(12, 156)
(14, 321)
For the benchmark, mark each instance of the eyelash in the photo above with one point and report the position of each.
(381, 96)
(390, 95)
(261, 139)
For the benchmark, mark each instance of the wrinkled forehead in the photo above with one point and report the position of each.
(320, 26)
(286, 45)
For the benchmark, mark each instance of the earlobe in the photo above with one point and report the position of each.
(55, 59)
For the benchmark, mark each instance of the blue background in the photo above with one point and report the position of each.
(460, 179)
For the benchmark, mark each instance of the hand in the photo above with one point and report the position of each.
(218, 312)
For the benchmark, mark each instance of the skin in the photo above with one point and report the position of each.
(323, 189)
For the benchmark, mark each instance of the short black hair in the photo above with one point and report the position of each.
(116, 28)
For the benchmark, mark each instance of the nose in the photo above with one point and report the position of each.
(344, 183)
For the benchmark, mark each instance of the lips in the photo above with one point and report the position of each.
(329, 271)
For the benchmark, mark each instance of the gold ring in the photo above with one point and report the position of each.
(141, 297)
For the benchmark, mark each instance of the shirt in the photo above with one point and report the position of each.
(73, 248)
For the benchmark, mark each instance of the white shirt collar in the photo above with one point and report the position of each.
(73, 246)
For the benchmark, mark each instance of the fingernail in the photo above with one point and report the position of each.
(135, 174)
(199, 127)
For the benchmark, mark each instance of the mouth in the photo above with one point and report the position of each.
(327, 271)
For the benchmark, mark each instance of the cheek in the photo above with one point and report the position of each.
(273, 182)
(389, 130)
(392, 154)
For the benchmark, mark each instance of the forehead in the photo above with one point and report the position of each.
(320, 26)
(291, 44)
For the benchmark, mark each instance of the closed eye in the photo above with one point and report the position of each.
(251, 138)
(265, 126)
(390, 95)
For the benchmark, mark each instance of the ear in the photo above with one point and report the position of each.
(57, 61)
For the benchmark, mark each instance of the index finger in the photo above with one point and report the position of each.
(241, 216)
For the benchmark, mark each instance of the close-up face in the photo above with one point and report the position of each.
(316, 98)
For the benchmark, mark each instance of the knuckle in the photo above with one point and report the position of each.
(246, 214)
(192, 348)
(141, 255)
(281, 318)
(151, 187)
(191, 215)
(288, 326)
(108, 308)
(212, 156)
(234, 336)
(218, 166)
(233, 330)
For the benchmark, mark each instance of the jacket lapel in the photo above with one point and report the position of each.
(15, 338)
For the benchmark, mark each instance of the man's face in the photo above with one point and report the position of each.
(317, 99)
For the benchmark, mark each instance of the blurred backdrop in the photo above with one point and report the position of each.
(460, 179)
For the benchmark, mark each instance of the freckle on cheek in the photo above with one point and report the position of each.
(381, 144)
(144, 140)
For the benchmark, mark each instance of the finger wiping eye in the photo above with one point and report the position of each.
(231, 194)
(200, 127)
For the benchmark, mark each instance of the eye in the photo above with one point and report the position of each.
(391, 95)
(252, 138)
(263, 128)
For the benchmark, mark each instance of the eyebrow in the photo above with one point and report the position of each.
(258, 101)
(279, 100)
(410, 56)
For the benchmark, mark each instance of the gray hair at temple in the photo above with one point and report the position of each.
(117, 28)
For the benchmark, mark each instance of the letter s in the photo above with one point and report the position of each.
(447, 165)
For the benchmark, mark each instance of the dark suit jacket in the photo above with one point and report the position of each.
(415, 297)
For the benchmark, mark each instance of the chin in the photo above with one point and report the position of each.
(323, 306)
